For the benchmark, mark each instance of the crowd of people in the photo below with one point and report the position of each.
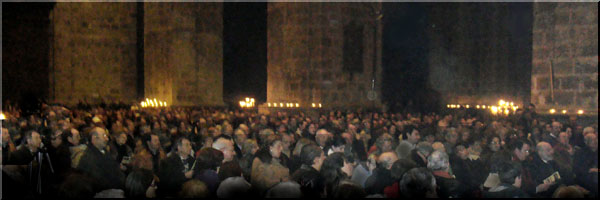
(115, 151)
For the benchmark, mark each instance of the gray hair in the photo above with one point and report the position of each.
(438, 161)
(424, 148)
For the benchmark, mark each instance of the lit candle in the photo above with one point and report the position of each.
(580, 112)
(268, 104)
(2, 117)
(242, 104)
(280, 104)
(297, 105)
(313, 105)
(319, 105)
(564, 111)
(467, 106)
(552, 111)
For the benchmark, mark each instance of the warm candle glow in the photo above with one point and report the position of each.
(280, 104)
(2, 117)
(268, 104)
(313, 105)
(506, 112)
(448, 105)
(552, 111)
(319, 105)
(580, 112)
(297, 105)
(467, 106)
(494, 110)
(564, 111)
(242, 104)
(483, 106)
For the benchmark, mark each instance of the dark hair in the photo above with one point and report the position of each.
(417, 182)
(264, 152)
(517, 144)
(338, 140)
(137, 183)
(331, 171)
(402, 166)
(76, 185)
(407, 130)
(229, 169)
(209, 158)
(28, 135)
(508, 171)
(178, 143)
(309, 153)
(347, 190)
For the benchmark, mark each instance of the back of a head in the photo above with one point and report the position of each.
(229, 169)
(194, 189)
(568, 192)
(209, 158)
(418, 183)
(347, 190)
(233, 187)
(76, 186)
(402, 166)
(309, 153)
(508, 171)
(287, 189)
(424, 148)
(137, 183)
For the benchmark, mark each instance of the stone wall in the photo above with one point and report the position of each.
(183, 53)
(93, 52)
(479, 52)
(565, 57)
(310, 48)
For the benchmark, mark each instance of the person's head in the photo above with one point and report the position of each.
(438, 146)
(33, 140)
(240, 136)
(556, 127)
(568, 192)
(386, 160)
(249, 147)
(347, 190)
(465, 136)
(588, 129)
(494, 144)
(462, 152)
(545, 151)
(509, 173)
(384, 143)
(288, 189)
(336, 167)
(287, 140)
(274, 145)
(451, 136)
(226, 146)
(183, 146)
(438, 161)
(591, 141)
(209, 159)
(412, 134)
(312, 155)
(563, 138)
(424, 148)
(5, 136)
(229, 169)
(233, 187)
(301, 143)
(418, 183)
(56, 139)
(76, 186)
(401, 166)
(140, 183)
(322, 137)
(520, 149)
(142, 160)
(99, 137)
(194, 189)
(122, 138)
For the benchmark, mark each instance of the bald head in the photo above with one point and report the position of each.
(387, 159)
(545, 151)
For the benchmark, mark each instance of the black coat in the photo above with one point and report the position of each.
(415, 157)
(172, 175)
(448, 187)
(510, 192)
(310, 180)
(103, 168)
(22, 156)
(540, 171)
(585, 159)
(377, 182)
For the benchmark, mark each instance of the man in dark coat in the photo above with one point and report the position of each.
(27, 151)
(99, 164)
(543, 167)
(382, 175)
(586, 164)
(447, 185)
(420, 153)
(176, 169)
(308, 176)
(510, 182)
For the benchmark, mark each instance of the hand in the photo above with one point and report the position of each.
(189, 174)
(543, 187)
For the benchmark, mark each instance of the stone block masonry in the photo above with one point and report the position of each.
(565, 57)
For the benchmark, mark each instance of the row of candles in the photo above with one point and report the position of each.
(504, 107)
(292, 105)
(248, 103)
(153, 103)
